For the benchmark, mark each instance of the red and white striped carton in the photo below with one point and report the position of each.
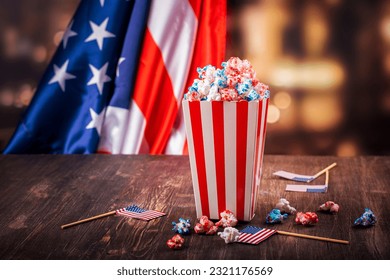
(226, 147)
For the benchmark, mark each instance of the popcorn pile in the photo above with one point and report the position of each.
(234, 82)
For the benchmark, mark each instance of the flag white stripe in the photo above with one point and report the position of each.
(177, 138)
(260, 150)
(250, 158)
(134, 133)
(229, 109)
(194, 173)
(261, 139)
(208, 144)
(111, 137)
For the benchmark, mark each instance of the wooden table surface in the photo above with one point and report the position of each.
(38, 193)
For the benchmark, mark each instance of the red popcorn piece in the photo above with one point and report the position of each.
(213, 230)
(205, 226)
(308, 218)
(330, 206)
(176, 242)
(199, 229)
(178, 239)
(227, 219)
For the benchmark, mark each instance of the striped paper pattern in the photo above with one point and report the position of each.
(226, 145)
(254, 235)
(136, 212)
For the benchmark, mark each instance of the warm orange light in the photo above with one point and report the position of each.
(25, 94)
(6, 98)
(273, 114)
(320, 113)
(58, 37)
(347, 149)
(40, 54)
(385, 28)
(323, 74)
(282, 99)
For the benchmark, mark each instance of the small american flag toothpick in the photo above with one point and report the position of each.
(254, 235)
(132, 211)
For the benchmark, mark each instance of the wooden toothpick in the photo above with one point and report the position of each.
(88, 219)
(322, 172)
(327, 178)
(313, 237)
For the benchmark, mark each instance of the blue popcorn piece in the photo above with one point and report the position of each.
(366, 219)
(244, 87)
(253, 95)
(275, 217)
(182, 227)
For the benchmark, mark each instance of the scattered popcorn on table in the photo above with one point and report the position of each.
(176, 242)
(275, 217)
(308, 218)
(227, 219)
(284, 206)
(366, 219)
(330, 206)
(182, 227)
(234, 82)
(205, 226)
(229, 234)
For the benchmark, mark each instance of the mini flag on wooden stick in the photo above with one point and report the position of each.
(254, 235)
(132, 211)
(310, 188)
(302, 178)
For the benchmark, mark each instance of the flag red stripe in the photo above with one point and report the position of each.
(154, 96)
(219, 151)
(241, 143)
(197, 135)
(262, 236)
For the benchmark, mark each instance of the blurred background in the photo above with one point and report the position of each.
(327, 63)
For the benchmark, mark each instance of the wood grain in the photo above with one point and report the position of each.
(38, 193)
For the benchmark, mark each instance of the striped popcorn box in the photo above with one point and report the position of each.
(226, 147)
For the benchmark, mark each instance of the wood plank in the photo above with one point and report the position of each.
(38, 193)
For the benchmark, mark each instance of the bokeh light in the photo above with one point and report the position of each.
(282, 99)
(40, 54)
(347, 148)
(320, 113)
(58, 37)
(273, 114)
(6, 97)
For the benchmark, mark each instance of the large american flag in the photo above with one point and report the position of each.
(133, 211)
(254, 235)
(116, 82)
